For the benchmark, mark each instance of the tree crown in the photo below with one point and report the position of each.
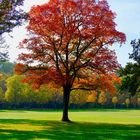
(68, 44)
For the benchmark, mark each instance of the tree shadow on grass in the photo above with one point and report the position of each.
(55, 130)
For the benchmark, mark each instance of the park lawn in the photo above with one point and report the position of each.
(87, 125)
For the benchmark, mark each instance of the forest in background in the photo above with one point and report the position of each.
(14, 94)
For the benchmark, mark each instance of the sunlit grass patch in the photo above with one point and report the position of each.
(23, 127)
(86, 125)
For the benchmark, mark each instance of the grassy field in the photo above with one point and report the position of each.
(87, 125)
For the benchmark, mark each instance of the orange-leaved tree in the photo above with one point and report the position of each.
(68, 46)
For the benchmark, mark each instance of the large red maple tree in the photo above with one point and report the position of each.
(68, 47)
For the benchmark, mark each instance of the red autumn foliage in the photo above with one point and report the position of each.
(68, 45)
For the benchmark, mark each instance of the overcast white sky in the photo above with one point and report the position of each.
(128, 21)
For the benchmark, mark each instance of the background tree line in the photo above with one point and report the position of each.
(16, 94)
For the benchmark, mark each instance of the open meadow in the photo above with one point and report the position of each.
(86, 125)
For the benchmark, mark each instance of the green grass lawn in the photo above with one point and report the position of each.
(87, 125)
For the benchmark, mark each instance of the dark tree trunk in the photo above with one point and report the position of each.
(66, 95)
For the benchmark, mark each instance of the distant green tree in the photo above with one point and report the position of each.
(14, 90)
(6, 67)
(10, 14)
(131, 78)
(19, 92)
(131, 72)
